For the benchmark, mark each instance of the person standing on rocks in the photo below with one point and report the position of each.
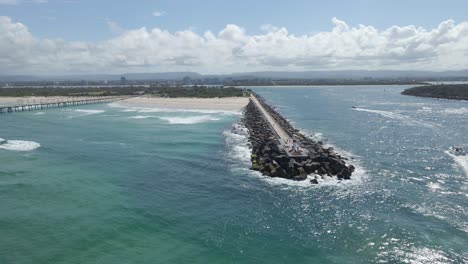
(295, 146)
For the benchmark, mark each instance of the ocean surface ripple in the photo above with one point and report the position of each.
(119, 184)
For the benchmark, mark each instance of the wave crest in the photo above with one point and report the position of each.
(19, 145)
(189, 120)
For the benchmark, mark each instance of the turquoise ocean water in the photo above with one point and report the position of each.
(114, 184)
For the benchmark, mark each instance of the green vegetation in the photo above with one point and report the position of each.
(318, 82)
(202, 91)
(445, 91)
(192, 91)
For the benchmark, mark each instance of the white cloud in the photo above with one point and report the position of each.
(114, 26)
(234, 50)
(158, 13)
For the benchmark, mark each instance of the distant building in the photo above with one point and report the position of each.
(123, 79)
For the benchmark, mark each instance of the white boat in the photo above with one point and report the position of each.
(457, 151)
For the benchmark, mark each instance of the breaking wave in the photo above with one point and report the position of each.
(170, 110)
(86, 112)
(18, 145)
(141, 117)
(89, 112)
(189, 120)
(359, 174)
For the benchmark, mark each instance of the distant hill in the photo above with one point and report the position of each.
(103, 77)
(348, 74)
(354, 74)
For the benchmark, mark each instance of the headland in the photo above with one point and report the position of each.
(442, 91)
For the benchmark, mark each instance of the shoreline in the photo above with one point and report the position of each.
(225, 103)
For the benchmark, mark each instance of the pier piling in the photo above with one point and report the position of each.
(49, 103)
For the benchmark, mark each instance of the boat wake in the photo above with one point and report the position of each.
(456, 111)
(462, 161)
(395, 116)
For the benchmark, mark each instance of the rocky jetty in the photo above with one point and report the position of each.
(269, 157)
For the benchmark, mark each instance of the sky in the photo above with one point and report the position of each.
(83, 36)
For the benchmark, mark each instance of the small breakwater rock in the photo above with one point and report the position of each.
(269, 157)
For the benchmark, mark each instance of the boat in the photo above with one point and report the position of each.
(457, 151)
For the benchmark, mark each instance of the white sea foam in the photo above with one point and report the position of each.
(405, 119)
(189, 120)
(141, 117)
(89, 112)
(461, 161)
(39, 113)
(434, 186)
(171, 110)
(425, 109)
(359, 174)
(456, 111)
(448, 111)
(86, 112)
(19, 145)
(416, 255)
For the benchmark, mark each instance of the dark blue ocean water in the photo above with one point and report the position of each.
(114, 184)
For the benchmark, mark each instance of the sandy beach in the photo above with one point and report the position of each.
(227, 103)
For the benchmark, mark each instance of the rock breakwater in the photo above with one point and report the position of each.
(271, 159)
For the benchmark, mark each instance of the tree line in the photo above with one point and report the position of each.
(192, 91)
(445, 91)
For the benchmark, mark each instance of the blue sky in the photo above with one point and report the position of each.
(88, 20)
(208, 36)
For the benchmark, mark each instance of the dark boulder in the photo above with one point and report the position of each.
(321, 171)
(311, 167)
(314, 181)
(302, 175)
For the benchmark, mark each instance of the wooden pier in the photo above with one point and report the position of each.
(25, 105)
